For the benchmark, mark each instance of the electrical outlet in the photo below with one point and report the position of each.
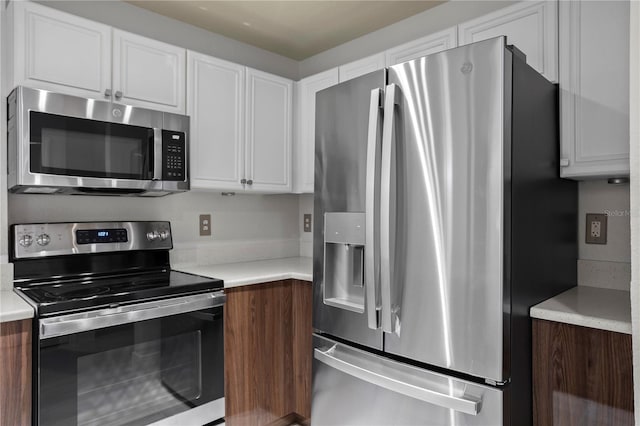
(596, 228)
(205, 225)
(306, 219)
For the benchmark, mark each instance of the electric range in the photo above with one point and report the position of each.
(119, 337)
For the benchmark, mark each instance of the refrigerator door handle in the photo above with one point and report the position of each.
(372, 215)
(387, 215)
(331, 358)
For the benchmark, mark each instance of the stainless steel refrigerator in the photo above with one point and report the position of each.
(440, 219)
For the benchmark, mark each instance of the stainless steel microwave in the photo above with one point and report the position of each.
(61, 144)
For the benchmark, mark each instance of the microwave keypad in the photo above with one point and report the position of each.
(173, 154)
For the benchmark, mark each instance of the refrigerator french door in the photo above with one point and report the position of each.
(435, 231)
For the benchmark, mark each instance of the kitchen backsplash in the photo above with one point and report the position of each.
(607, 265)
(246, 227)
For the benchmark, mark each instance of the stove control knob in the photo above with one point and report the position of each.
(164, 235)
(43, 239)
(153, 235)
(25, 240)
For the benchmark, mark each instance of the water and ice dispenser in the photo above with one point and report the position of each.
(344, 236)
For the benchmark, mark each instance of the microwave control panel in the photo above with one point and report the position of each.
(173, 155)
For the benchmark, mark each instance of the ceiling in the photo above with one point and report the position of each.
(295, 29)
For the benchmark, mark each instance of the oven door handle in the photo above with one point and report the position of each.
(110, 317)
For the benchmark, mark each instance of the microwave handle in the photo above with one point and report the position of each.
(157, 154)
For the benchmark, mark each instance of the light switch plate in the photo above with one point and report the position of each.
(596, 228)
(306, 218)
(205, 225)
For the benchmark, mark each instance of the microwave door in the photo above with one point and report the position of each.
(70, 145)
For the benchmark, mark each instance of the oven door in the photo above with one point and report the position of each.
(154, 362)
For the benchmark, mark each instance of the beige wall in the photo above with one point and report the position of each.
(430, 21)
(141, 21)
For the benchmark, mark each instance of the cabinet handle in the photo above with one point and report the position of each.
(118, 94)
(564, 162)
(243, 181)
(107, 93)
(249, 182)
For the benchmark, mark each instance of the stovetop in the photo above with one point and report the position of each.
(77, 266)
(79, 294)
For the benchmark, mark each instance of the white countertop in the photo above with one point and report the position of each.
(13, 307)
(255, 272)
(594, 307)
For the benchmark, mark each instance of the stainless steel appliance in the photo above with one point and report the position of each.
(440, 219)
(119, 337)
(60, 144)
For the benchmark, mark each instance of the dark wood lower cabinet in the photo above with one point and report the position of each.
(15, 373)
(581, 376)
(267, 348)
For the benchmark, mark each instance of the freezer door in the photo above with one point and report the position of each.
(348, 129)
(445, 159)
(354, 387)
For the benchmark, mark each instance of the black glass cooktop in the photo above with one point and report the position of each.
(84, 293)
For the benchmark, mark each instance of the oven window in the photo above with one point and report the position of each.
(89, 148)
(133, 374)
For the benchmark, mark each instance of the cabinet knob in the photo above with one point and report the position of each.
(107, 93)
(243, 181)
(249, 182)
(118, 94)
(564, 162)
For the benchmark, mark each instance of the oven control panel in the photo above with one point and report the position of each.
(55, 239)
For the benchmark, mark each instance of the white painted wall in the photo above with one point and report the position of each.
(150, 24)
(634, 118)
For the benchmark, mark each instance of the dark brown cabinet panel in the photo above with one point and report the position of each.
(302, 347)
(581, 376)
(267, 343)
(15, 373)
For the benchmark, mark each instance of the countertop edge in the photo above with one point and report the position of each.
(13, 307)
(263, 279)
(581, 320)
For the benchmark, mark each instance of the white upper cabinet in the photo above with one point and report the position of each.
(57, 51)
(215, 102)
(305, 131)
(268, 132)
(531, 26)
(594, 89)
(361, 67)
(148, 73)
(432, 43)
(64, 53)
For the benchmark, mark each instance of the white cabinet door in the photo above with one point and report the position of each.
(268, 132)
(305, 135)
(361, 67)
(433, 43)
(531, 26)
(148, 73)
(594, 88)
(60, 52)
(215, 103)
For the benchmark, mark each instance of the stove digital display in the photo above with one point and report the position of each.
(101, 236)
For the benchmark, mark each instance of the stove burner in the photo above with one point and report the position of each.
(76, 293)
